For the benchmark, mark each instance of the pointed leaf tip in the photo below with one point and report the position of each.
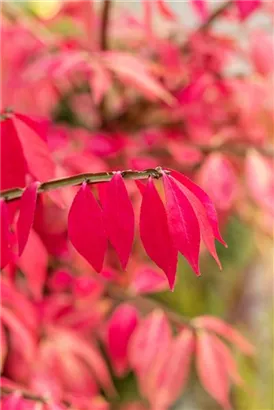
(86, 229)
(26, 216)
(119, 217)
(183, 223)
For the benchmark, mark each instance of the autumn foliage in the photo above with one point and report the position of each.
(125, 150)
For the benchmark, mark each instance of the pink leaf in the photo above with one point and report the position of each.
(148, 280)
(201, 8)
(147, 5)
(165, 10)
(219, 178)
(172, 377)
(39, 125)
(23, 335)
(26, 216)
(100, 83)
(247, 7)
(205, 201)
(6, 254)
(211, 369)
(119, 330)
(34, 262)
(119, 217)
(183, 223)
(262, 51)
(223, 329)
(86, 228)
(228, 361)
(149, 342)
(260, 180)
(155, 233)
(135, 72)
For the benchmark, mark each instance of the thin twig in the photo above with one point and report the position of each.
(89, 178)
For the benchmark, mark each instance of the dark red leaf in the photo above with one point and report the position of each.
(86, 228)
(155, 233)
(26, 216)
(119, 217)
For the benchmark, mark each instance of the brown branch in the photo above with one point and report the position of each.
(15, 193)
(213, 16)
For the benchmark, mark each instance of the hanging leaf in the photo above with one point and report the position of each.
(211, 370)
(182, 222)
(165, 10)
(204, 199)
(34, 262)
(201, 7)
(119, 217)
(6, 254)
(86, 229)
(225, 330)
(26, 216)
(119, 330)
(154, 232)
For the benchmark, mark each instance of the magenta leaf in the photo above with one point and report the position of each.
(26, 216)
(182, 222)
(247, 7)
(154, 232)
(86, 228)
(119, 217)
(6, 254)
(201, 8)
(13, 164)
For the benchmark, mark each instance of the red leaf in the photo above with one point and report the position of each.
(211, 370)
(247, 7)
(154, 232)
(218, 326)
(33, 262)
(35, 151)
(174, 371)
(26, 216)
(165, 10)
(23, 335)
(119, 217)
(86, 228)
(13, 164)
(201, 8)
(205, 201)
(204, 223)
(119, 330)
(183, 223)
(6, 254)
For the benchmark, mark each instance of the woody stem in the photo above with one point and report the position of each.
(89, 178)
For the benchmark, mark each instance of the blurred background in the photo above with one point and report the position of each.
(103, 117)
